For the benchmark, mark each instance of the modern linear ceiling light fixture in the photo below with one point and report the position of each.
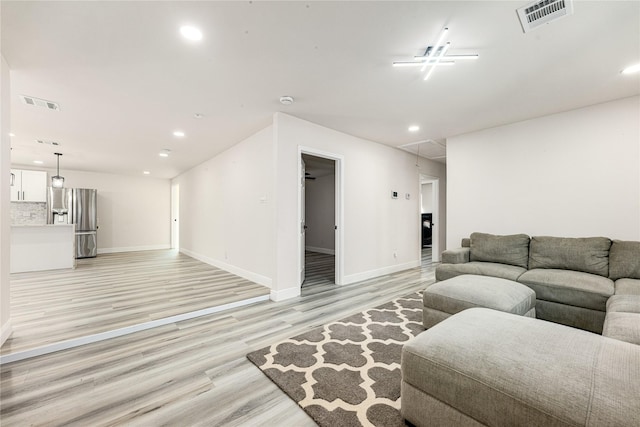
(434, 56)
(57, 181)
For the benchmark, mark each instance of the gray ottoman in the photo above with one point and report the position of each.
(443, 299)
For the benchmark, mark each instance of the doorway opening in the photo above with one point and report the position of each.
(320, 218)
(175, 217)
(429, 218)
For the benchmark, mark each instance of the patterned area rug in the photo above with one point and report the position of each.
(347, 373)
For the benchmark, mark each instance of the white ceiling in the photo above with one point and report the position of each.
(125, 80)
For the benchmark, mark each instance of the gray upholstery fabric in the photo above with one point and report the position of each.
(628, 286)
(432, 316)
(624, 304)
(455, 256)
(569, 287)
(623, 327)
(466, 242)
(624, 260)
(576, 317)
(423, 410)
(506, 370)
(510, 272)
(467, 291)
(587, 254)
(510, 250)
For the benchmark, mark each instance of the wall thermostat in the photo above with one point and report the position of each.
(394, 194)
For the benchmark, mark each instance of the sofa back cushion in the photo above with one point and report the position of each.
(624, 260)
(510, 250)
(586, 254)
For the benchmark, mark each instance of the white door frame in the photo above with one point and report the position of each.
(339, 213)
(435, 202)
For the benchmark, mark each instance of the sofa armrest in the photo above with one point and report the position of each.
(456, 256)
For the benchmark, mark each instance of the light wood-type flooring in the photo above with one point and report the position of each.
(186, 373)
(114, 291)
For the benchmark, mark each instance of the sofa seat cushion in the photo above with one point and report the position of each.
(510, 250)
(623, 327)
(586, 254)
(569, 287)
(624, 260)
(507, 370)
(624, 304)
(442, 299)
(628, 286)
(503, 271)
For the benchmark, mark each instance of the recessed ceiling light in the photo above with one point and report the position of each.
(286, 100)
(146, 172)
(38, 162)
(631, 69)
(197, 116)
(11, 134)
(164, 153)
(414, 128)
(191, 33)
(178, 133)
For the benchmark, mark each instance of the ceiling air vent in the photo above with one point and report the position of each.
(30, 100)
(542, 12)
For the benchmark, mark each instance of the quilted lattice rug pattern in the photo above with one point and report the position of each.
(347, 373)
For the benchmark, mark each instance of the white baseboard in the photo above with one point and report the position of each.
(6, 331)
(133, 249)
(320, 250)
(285, 294)
(246, 274)
(365, 275)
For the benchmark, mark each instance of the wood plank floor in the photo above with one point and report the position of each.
(114, 291)
(187, 373)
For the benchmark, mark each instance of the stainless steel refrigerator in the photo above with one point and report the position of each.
(84, 214)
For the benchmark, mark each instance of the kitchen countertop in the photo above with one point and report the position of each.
(36, 247)
(42, 225)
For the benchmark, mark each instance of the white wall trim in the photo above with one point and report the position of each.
(320, 250)
(246, 274)
(365, 275)
(102, 336)
(285, 294)
(133, 249)
(7, 330)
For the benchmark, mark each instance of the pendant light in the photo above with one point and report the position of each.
(57, 181)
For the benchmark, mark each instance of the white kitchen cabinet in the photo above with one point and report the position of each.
(29, 186)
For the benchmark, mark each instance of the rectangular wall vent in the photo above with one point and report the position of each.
(30, 100)
(542, 12)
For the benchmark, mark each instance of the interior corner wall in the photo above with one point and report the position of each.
(226, 209)
(375, 226)
(320, 214)
(573, 174)
(134, 212)
(5, 220)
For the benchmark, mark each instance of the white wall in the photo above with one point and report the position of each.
(226, 209)
(571, 174)
(5, 221)
(134, 213)
(375, 226)
(320, 213)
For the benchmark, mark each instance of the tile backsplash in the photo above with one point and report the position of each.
(28, 213)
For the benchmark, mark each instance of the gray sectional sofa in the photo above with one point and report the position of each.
(573, 278)
(484, 367)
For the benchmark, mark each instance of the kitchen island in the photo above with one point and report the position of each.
(42, 247)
